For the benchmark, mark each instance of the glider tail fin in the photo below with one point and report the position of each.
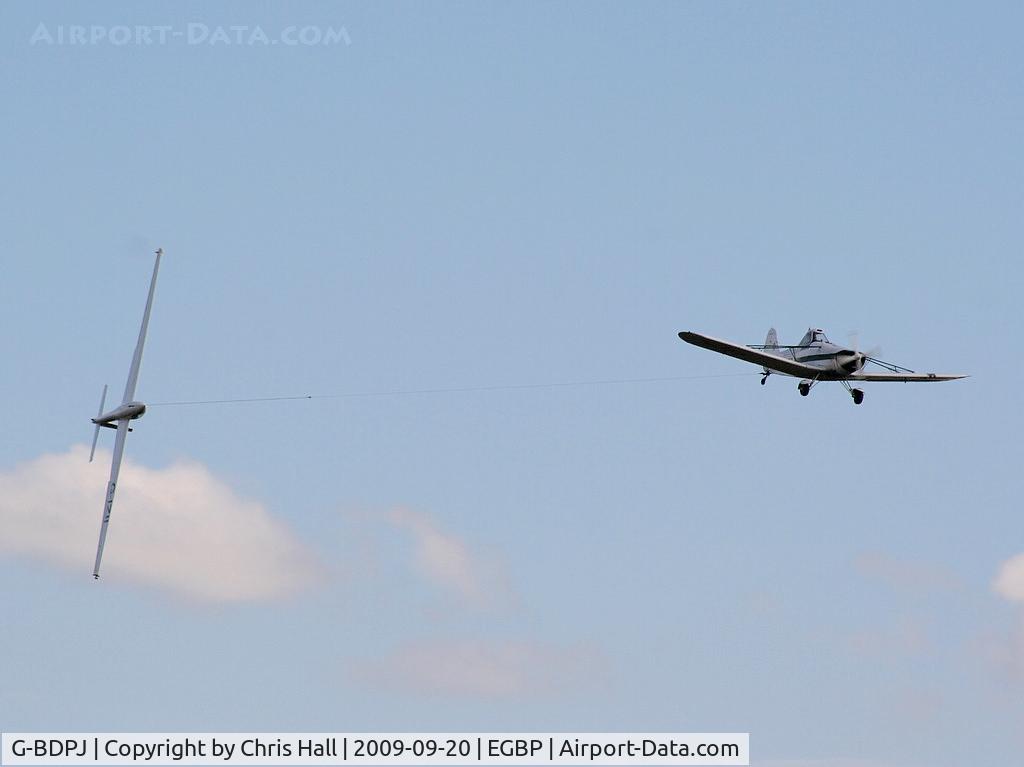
(96, 432)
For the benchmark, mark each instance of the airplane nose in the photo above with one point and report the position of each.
(850, 361)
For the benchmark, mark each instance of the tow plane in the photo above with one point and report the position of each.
(120, 417)
(814, 359)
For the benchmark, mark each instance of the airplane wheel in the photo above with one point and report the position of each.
(858, 396)
(805, 389)
(763, 380)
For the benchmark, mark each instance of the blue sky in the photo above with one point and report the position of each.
(482, 194)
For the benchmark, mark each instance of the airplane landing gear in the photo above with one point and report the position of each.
(857, 394)
(804, 387)
(764, 378)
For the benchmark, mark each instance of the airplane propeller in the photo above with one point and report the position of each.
(869, 356)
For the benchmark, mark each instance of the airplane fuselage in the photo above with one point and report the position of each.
(833, 360)
(129, 410)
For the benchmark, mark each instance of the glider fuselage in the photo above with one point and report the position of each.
(129, 410)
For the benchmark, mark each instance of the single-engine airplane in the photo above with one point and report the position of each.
(120, 417)
(814, 359)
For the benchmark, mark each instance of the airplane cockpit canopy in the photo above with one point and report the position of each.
(814, 336)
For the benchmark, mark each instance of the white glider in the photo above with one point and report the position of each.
(121, 416)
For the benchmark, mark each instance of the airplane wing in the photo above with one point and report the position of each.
(133, 373)
(745, 353)
(906, 377)
(115, 468)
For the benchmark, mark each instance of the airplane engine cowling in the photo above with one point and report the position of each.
(849, 362)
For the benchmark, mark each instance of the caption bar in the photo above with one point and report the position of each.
(375, 749)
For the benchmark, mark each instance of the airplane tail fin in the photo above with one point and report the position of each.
(96, 432)
(771, 344)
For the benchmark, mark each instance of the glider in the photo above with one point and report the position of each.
(119, 418)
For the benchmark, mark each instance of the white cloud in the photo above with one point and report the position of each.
(1004, 650)
(448, 562)
(488, 669)
(1009, 582)
(178, 528)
